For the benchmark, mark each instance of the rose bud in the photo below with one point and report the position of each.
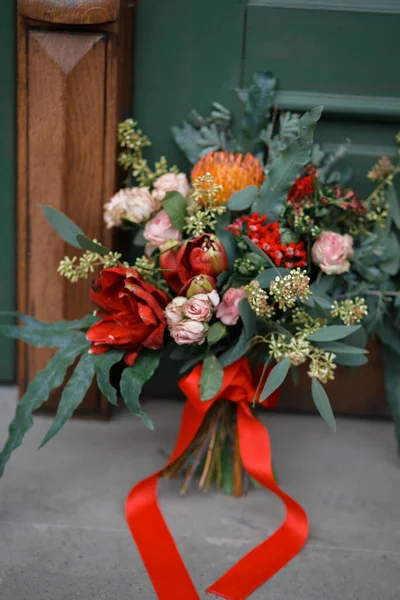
(189, 332)
(228, 310)
(168, 263)
(331, 252)
(200, 284)
(204, 255)
(173, 311)
(198, 308)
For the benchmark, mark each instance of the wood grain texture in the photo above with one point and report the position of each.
(70, 12)
(69, 103)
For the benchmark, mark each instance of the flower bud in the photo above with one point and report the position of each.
(200, 284)
(206, 255)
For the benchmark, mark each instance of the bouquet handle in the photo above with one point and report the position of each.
(155, 543)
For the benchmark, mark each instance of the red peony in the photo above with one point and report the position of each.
(131, 311)
(204, 255)
(268, 238)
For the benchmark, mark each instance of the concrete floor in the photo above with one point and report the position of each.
(63, 535)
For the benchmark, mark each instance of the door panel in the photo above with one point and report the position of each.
(7, 182)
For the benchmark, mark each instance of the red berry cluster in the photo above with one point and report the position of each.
(268, 238)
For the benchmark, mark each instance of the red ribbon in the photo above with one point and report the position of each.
(155, 543)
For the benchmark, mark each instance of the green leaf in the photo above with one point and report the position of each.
(237, 351)
(83, 323)
(227, 239)
(243, 199)
(133, 379)
(49, 337)
(63, 225)
(88, 244)
(102, 365)
(265, 278)
(216, 332)
(259, 100)
(38, 391)
(72, 395)
(260, 253)
(275, 379)
(175, 206)
(394, 205)
(189, 364)
(139, 239)
(332, 333)
(350, 360)
(211, 378)
(339, 347)
(248, 317)
(322, 403)
(285, 168)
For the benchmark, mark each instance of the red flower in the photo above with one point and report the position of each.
(268, 238)
(131, 311)
(204, 255)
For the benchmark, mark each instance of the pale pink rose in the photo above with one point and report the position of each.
(171, 182)
(115, 210)
(198, 308)
(159, 230)
(331, 251)
(214, 298)
(228, 310)
(189, 332)
(173, 311)
(133, 204)
(140, 204)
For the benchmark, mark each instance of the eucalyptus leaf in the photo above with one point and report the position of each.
(331, 333)
(212, 375)
(243, 199)
(87, 244)
(49, 337)
(394, 205)
(350, 360)
(260, 253)
(258, 101)
(275, 379)
(322, 403)
(189, 364)
(340, 347)
(216, 332)
(72, 395)
(286, 167)
(37, 393)
(102, 365)
(248, 317)
(83, 323)
(63, 225)
(175, 206)
(235, 352)
(133, 379)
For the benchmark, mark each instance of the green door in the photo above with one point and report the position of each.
(7, 181)
(342, 54)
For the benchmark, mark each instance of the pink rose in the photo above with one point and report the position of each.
(228, 310)
(173, 311)
(189, 332)
(159, 230)
(171, 182)
(198, 308)
(331, 251)
(133, 204)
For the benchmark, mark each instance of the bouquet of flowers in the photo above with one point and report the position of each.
(249, 270)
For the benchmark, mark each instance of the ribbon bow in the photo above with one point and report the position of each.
(160, 555)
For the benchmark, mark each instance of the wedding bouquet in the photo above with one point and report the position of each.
(247, 271)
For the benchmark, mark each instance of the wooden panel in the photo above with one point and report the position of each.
(7, 179)
(79, 12)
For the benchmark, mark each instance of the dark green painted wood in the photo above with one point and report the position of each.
(187, 55)
(7, 180)
(325, 51)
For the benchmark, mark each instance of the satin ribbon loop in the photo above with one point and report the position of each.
(160, 555)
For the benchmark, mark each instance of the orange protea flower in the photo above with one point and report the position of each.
(232, 172)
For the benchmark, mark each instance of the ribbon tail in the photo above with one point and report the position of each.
(264, 561)
(154, 541)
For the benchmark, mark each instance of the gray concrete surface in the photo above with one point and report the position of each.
(63, 535)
